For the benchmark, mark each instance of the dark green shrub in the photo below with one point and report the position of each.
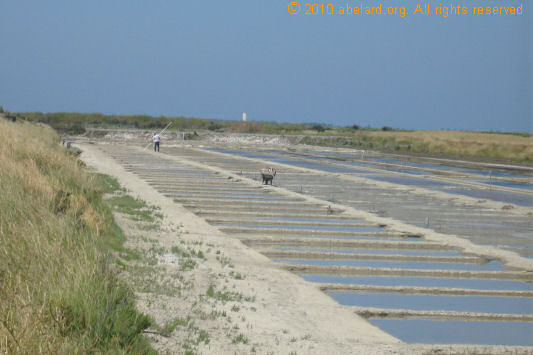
(318, 128)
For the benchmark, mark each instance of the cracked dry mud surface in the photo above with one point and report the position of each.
(210, 294)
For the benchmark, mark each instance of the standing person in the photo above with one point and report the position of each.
(157, 139)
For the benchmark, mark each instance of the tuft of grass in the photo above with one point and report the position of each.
(189, 253)
(241, 338)
(203, 337)
(225, 261)
(227, 296)
(180, 252)
(216, 314)
(187, 264)
(210, 291)
(306, 337)
(198, 254)
(67, 299)
(170, 326)
(236, 275)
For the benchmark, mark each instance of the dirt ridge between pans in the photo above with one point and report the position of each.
(450, 315)
(281, 254)
(510, 258)
(358, 271)
(520, 210)
(419, 290)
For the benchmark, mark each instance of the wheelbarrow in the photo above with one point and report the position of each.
(268, 175)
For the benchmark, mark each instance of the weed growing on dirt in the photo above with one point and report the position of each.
(217, 314)
(187, 253)
(225, 261)
(147, 279)
(170, 326)
(179, 251)
(241, 338)
(236, 275)
(227, 296)
(188, 264)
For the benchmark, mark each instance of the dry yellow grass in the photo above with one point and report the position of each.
(465, 144)
(500, 147)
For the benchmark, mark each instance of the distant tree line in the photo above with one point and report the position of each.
(76, 123)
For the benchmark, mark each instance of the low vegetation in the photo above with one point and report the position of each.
(76, 123)
(517, 147)
(59, 292)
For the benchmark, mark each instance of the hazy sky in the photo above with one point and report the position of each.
(216, 59)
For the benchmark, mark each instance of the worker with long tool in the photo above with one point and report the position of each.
(157, 138)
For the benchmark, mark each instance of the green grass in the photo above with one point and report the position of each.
(241, 338)
(180, 252)
(224, 261)
(59, 293)
(227, 296)
(187, 264)
(109, 183)
(203, 337)
(137, 209)
(236, 275)
(170, 326)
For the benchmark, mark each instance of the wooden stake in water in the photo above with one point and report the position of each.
(164, 129)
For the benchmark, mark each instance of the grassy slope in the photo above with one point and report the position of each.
(57, 291)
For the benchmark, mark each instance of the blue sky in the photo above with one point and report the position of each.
(216, 59)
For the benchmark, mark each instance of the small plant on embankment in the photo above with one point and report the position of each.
(58, 292)
(227, 296)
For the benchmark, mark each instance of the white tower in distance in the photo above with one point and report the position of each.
(244, 116)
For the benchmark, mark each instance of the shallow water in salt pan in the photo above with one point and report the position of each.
(458, 332)
(480, 304)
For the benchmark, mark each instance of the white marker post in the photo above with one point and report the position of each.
(164, 129)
